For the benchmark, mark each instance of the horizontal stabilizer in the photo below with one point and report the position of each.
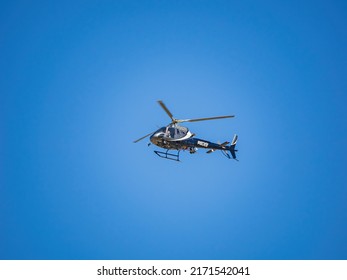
(225, 143)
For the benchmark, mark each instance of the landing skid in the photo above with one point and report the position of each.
(167, 155)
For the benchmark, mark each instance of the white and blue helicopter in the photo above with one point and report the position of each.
(176, 137)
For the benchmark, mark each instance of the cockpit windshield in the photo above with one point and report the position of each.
(173, 131)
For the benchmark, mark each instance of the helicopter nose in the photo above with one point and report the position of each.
(155, 138)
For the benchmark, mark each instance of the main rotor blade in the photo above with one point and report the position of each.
(161, 103)
(143, 137)
(205, 119)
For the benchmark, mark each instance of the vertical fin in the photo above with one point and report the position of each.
(232, 147)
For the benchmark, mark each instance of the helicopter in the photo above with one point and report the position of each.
(176, 137)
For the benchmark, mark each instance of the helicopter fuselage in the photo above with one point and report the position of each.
(171, 136)
(174, 137)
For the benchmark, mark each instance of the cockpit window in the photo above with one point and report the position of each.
(161, 130)
(172, 132)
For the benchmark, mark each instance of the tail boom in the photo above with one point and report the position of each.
(228, 150)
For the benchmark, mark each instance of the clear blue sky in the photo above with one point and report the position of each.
(79, 82)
